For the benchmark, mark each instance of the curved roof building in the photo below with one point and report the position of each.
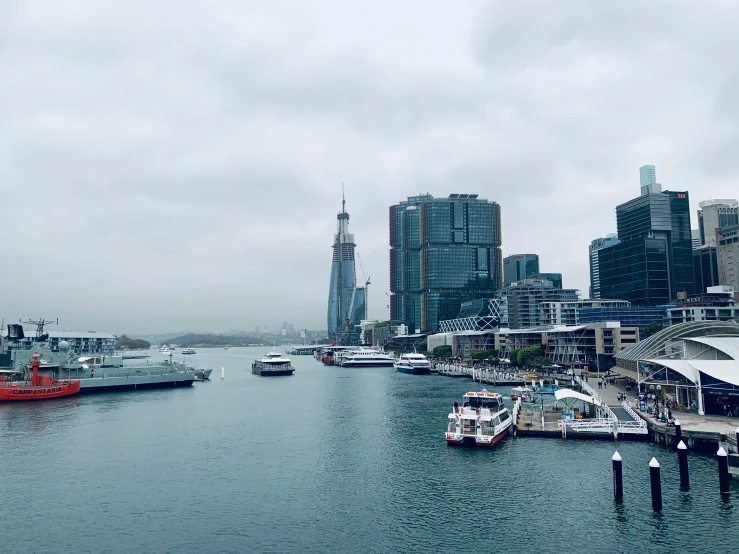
(695, 363)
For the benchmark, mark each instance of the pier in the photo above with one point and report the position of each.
(490, 376)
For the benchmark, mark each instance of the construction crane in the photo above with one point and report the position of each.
(367, 283)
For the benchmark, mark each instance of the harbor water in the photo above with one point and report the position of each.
(327, 460)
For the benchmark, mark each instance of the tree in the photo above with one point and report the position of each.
(481, 354)
(442, 351)
(514, 357)
(125, 343)
(650, 330)
(423, 346)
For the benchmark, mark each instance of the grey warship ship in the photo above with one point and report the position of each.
(99, 373)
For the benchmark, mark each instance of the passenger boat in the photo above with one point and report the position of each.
(367, 357)
(164, 349)
(272, 364)
(187, 351)
(482, 420)
(41, 387)
(524, 393)
(416, 364)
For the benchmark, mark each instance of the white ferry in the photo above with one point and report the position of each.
(481, 420)
(272, 364)
(188, 351)
(417, 364)
(164, 349)
(367, 357)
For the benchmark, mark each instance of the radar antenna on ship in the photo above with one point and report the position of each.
(40, 324)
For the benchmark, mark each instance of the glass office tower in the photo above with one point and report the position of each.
(653, 263)
(520, 266)
(443, 251)
(346, 301)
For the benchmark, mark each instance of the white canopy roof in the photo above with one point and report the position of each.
(562, 394)
(683, 367)
(727, 345)
(723, 370)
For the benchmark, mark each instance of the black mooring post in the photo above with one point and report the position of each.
(682, 459)
(618, 480)
(723, 471)
(656, 485)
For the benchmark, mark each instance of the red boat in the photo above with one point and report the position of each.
(41, 387)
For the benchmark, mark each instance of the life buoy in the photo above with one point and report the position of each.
(105, 375)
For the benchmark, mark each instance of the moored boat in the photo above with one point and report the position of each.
(524, 393)
(482, 420)
(164, 349)
(188, 351)
(415, 364)
(38, 387)
(367, 357)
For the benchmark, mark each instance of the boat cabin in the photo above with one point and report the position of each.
(483, 399)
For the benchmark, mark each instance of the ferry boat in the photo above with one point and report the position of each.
(40, 387)
(188, 351)
(367, 357)
(482, 420)
(272, 364)
(164, 349)
(416, 364)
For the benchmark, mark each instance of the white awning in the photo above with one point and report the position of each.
(723, 370)
(683, 367)
(727, 345)
(561, 394)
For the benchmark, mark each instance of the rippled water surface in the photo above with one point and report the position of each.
(328, 460)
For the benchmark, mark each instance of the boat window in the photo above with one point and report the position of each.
(504, 416)
(474, 402)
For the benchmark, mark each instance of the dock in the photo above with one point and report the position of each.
(488, 376)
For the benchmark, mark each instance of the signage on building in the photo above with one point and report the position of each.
(681, 195)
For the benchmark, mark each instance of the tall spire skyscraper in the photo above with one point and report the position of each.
(346, 301)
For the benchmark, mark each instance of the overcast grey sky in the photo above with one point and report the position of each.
(178, 164)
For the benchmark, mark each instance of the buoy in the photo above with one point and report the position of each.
(223, 372)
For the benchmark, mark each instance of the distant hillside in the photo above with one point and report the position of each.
(125, 343)
(198, 340)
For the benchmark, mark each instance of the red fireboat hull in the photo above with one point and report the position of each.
(17, 392)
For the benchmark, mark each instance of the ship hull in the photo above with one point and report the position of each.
(473, 442)
(389, 363)
(19, 393)
(272, 373)
(136, 382)
(414, 370)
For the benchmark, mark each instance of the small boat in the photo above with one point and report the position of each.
(272, 364)
(522, 392)
(227, 348)
(188, 351)
(164, 349)
(41, 387)
(415, 364)
(203, 374)
(482, 420)
(366, 357)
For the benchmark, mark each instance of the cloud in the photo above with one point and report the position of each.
(176, 165)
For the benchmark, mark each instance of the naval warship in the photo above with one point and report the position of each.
(98, 373)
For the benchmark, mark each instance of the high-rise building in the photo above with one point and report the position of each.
(520, 266)
(555, 278)
(727, 254)
(346, 301)
(256, 330)
(648, 180)
(653, 263)
(695, 235)
(705, 268)
(284, 325)
(443, 251)
(714, 215)
(521, 302)
(596, 246)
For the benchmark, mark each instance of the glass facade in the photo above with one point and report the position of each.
(519, 267)
(443, 252)
(555, 278)
(653, 262)
(705, 268)
(632, 316)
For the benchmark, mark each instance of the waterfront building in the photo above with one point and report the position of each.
(727, 256)
(652, 264)
(716, 304)
(705, 268)
(714, 215)
(474, 315)
(346, 301)
(590, 346)
(696, 364)
(519, 266)
(595, 247)
(443, 251)
(695, 235)
(555, 278)
(520, 302)
(632, 316)
(568, 313)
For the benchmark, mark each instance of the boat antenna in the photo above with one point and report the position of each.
(40, 324)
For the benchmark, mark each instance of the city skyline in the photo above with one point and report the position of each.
(166, 172)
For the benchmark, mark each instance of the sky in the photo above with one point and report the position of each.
(178, 165)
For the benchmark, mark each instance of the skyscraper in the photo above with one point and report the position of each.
(648, 180)
(727, 247)
(519, 266)
(346, 301)
(653, 262)
(443, 251)
(713, 215)
(595, 247)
